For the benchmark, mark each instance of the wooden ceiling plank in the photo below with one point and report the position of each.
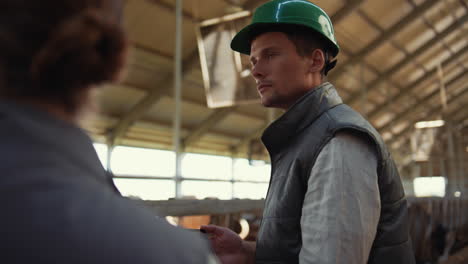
(170, 8)
(408, 89)
(430, 114)
(388, 34)
(421, 102)
(150, 99)
(206, 125)
(409, 59)
(404, 136)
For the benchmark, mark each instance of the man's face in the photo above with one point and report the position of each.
(280, 72)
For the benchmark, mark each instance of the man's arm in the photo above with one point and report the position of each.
(341, 207)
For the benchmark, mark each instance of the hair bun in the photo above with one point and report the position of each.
(82, 51)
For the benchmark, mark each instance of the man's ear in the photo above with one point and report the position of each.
(316, 61)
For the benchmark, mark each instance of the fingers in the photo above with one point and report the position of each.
(212, 229)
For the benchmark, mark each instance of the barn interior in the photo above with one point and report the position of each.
(182, 132)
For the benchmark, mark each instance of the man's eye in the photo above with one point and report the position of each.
(271, 55)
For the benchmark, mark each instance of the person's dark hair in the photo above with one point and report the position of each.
(54, 49)
(305, 39)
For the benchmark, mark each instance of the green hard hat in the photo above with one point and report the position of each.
(289, 12)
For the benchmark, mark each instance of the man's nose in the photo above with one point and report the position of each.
(257, 72)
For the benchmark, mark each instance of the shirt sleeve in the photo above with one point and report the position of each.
(341, 207)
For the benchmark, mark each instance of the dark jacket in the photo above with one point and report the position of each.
(294, 141)
(59, 206)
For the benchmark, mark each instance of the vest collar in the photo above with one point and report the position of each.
(300, 115)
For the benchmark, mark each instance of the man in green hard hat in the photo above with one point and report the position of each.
(335, 195)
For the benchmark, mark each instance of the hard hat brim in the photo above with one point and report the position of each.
(242, 40)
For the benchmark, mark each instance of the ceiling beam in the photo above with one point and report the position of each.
(170, 8)
(431, 156)
(421, 50)
(430, 114)
(150, 99)
(405, 136)
(349, 7)
(191, 101)
(257, 133)
(206, 125)
(388, 34)
(359, 78)
(246, 140)
(251, 4)
(152, 51)
(408, 89)
(105, 120)
(421, 102)
(231, 2)
(461, 114)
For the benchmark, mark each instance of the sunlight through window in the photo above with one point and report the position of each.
(146, 189)
(131, 161)
(207, 189)
(206, 166)
(246, 190)
(143, 162)
(101, 150)
(429, 186)
(243, 171)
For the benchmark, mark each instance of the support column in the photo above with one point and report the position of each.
(178, 96)
(452, 171)
(233, 161)
(459, 180)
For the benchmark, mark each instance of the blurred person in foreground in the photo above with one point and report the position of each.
(58, 203)
(335, 195)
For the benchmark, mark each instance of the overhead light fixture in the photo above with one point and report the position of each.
(429, 124)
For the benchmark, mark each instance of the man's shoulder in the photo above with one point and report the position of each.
(355, 138)
(349, 141)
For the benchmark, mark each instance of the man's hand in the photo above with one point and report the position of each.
(228, 246)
